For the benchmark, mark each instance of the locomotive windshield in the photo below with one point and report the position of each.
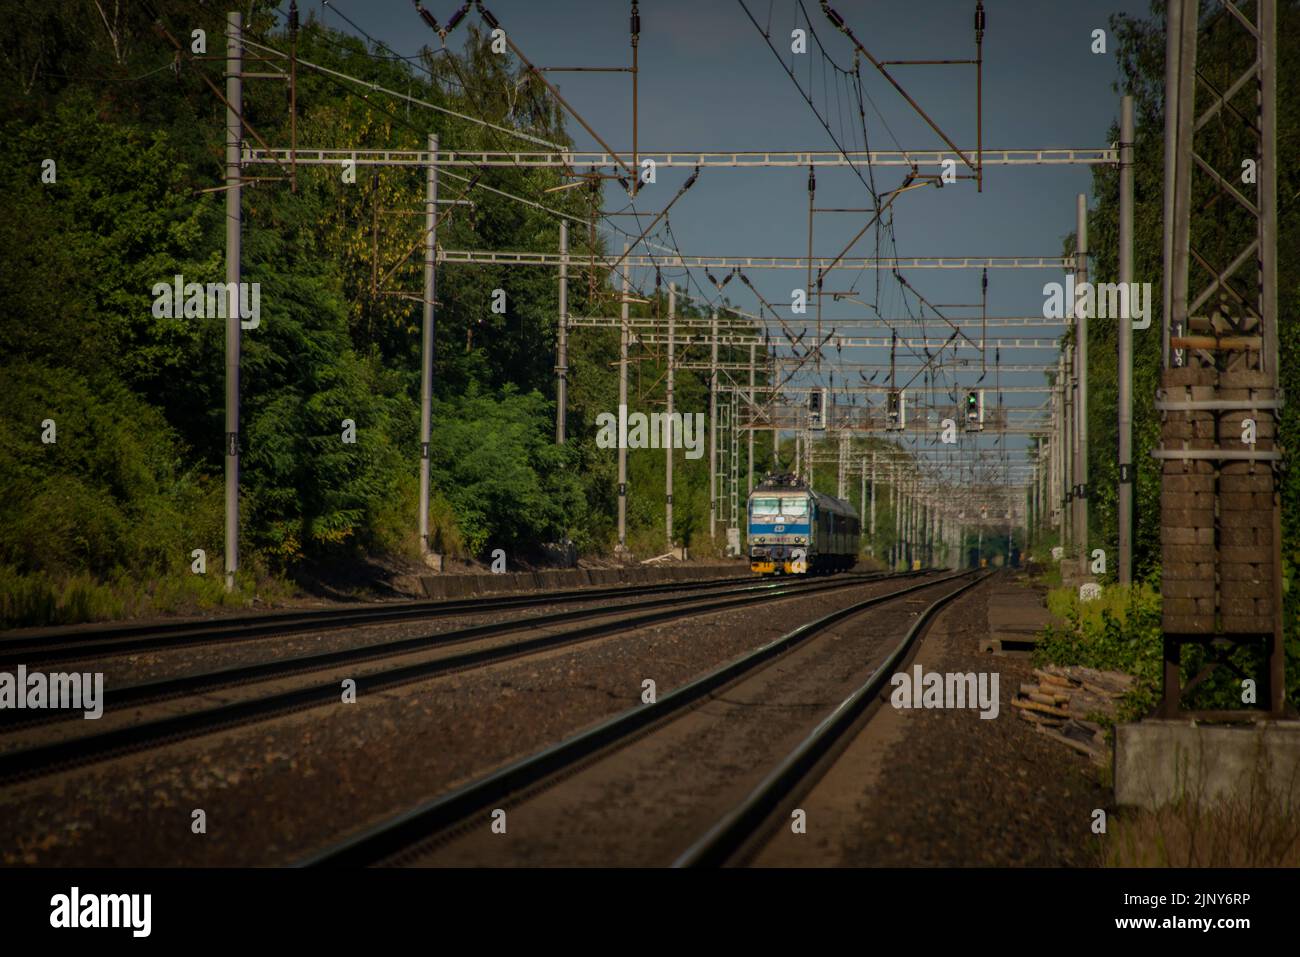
(780, 505)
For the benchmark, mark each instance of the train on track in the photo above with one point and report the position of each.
(794, 530)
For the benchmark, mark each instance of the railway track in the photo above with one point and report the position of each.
(101, 642)
(83, 749)
(407, 837)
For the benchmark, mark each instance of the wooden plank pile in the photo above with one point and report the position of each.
(1060, 702)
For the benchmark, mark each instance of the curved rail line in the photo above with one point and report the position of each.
(85, 749)
(398, 835)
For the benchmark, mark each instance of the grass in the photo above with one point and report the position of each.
(43, 599)
(1257, 825)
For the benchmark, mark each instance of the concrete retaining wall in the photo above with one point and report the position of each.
(466, 586)
(1158, 762)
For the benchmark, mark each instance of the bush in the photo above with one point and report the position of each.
(1120, 631)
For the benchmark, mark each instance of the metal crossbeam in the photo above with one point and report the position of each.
(863, 388)
(854, 342)
(902, 371)
(711, 159)
(488, 257)
(749, 322)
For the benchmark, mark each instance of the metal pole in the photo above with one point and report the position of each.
(841, 479)
(913, 523)
(752, 423)
(562, 358)
(1181, 240)
(1124, 568)
(862, 499)
(713, 423)
(671, 435)
(1081, 407)
(426, 349)
(1173, 54)
(1039, 527)
(1268, 278)
(1268, 192)
(234, 196)
(622, 413)
(1067, 475)
(872, 545)
(895, 551)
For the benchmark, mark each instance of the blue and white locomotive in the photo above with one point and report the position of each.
(794, 530)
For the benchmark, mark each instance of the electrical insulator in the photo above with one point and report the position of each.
(455, 19)
(636, 23)
(427, 17)
(979, 20)
(293, 17)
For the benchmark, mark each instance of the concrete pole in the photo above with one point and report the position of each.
(622, 412)
(562, 350)
(713, 425)
(1081, 356)
(1125, 397)
(668, 452)
(234, 198)
(427, 337)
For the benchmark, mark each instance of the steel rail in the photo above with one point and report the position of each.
(731, 832)
(164, 689)
(400, 832)
(86, 749)
(119, 639)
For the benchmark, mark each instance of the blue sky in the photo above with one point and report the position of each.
(709, 81)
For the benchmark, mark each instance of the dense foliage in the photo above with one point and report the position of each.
(132, 482)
